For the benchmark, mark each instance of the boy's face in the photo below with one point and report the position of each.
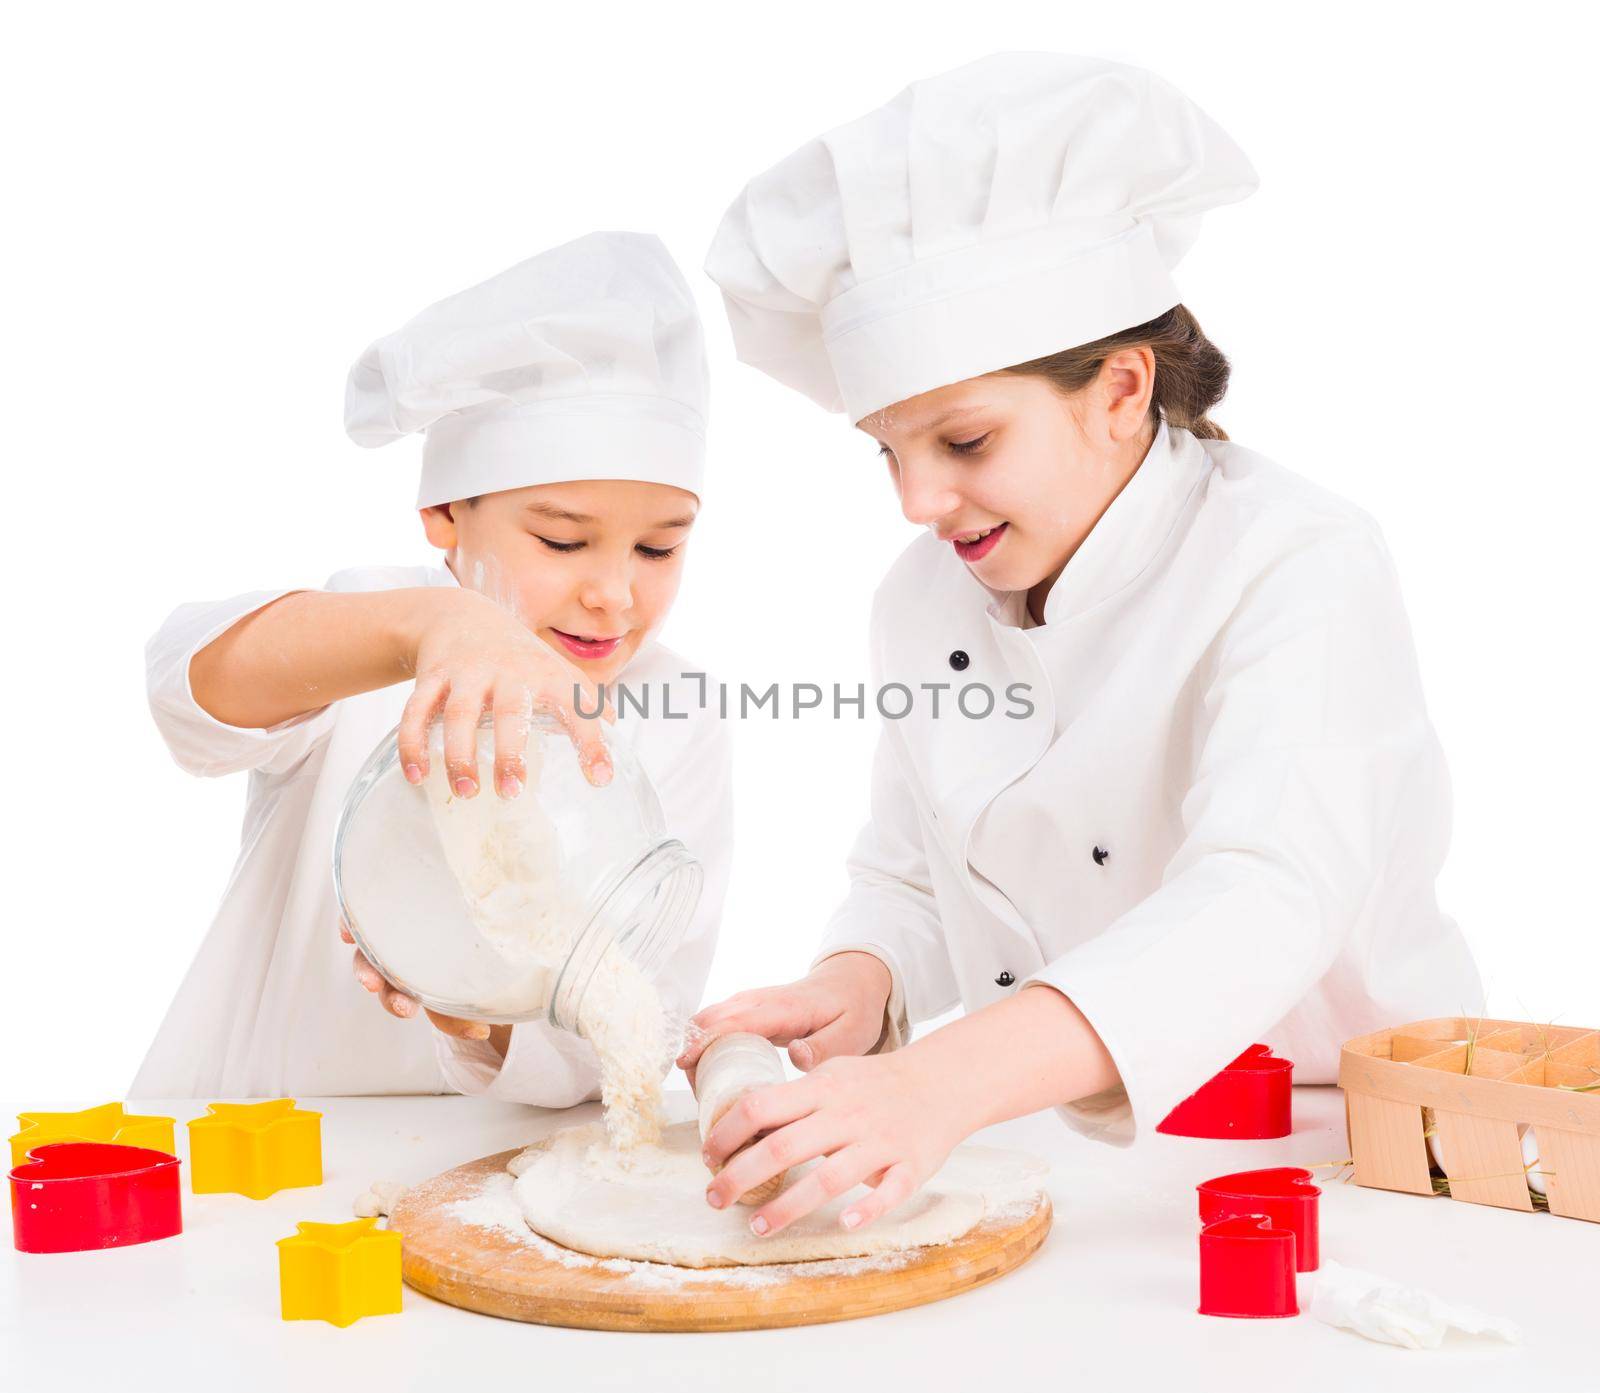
(592, 566)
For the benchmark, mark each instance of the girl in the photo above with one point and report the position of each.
(1222, 818)
(563, 407)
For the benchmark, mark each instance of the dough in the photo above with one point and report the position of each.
(378, 1199)
(649, 1204)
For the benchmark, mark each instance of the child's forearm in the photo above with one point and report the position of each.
(1032, 1051)
(312, 648)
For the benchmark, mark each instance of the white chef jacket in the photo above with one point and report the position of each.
(269, 1006)
(1222, 820)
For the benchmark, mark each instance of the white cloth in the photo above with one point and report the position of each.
(585, 362)
(1012, 208)
(1383, 1310)
(1226, 704)
(269, 1006)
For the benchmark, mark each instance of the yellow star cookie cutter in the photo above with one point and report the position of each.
(109, 1122)
(255, 1149)
(339, 1272)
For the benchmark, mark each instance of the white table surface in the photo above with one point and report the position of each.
(1108, 1301)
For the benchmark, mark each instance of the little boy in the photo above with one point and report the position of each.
(562, 406)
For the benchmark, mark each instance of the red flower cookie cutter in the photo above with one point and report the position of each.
(71, 1196)
(1249, 1100)
(1247, 1269)
(1285, 1195)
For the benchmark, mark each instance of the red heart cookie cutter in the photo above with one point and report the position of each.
(1247, 1269)
(71, 1196)
(1250, 1100)
(1285, 1195)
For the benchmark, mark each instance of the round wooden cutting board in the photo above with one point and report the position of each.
(498, 1272)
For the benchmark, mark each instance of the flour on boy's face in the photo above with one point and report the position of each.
(591, 566)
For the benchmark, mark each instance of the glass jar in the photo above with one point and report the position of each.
(499, 909)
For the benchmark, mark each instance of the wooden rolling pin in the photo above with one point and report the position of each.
(732, 1066)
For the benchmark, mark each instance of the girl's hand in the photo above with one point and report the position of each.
(883, 1121)
(836, 1010)
(890, 1120)
(397, 1003)
(471, 656)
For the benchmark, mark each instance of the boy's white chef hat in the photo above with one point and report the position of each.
(1020, 205)
(585, 362)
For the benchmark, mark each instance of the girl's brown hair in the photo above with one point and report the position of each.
(1191, 371)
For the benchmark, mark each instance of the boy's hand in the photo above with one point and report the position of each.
(837, 1009)
(470, 656)
(397, 1003)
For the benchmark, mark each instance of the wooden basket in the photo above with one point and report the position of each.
(1480, 1078)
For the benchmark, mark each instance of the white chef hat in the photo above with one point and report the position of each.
(585, 362)
(1012, 208)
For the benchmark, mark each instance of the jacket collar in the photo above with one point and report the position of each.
(1127, 537)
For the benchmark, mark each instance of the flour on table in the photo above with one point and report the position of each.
(649, 1205)
(506, 858)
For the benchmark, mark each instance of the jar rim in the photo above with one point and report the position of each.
(645, 912)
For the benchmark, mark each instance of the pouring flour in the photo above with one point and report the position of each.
(507, 861)
(555, 905)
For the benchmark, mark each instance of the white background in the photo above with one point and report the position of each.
(213, 209)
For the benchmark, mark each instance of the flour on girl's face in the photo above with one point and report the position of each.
(505, 856)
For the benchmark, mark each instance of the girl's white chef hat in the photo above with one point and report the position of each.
(585, 362)
(1009, 209)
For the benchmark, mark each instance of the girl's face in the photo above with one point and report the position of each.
(1012, 473)
(592, 567)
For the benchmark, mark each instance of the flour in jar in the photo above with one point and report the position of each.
(506, 857)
